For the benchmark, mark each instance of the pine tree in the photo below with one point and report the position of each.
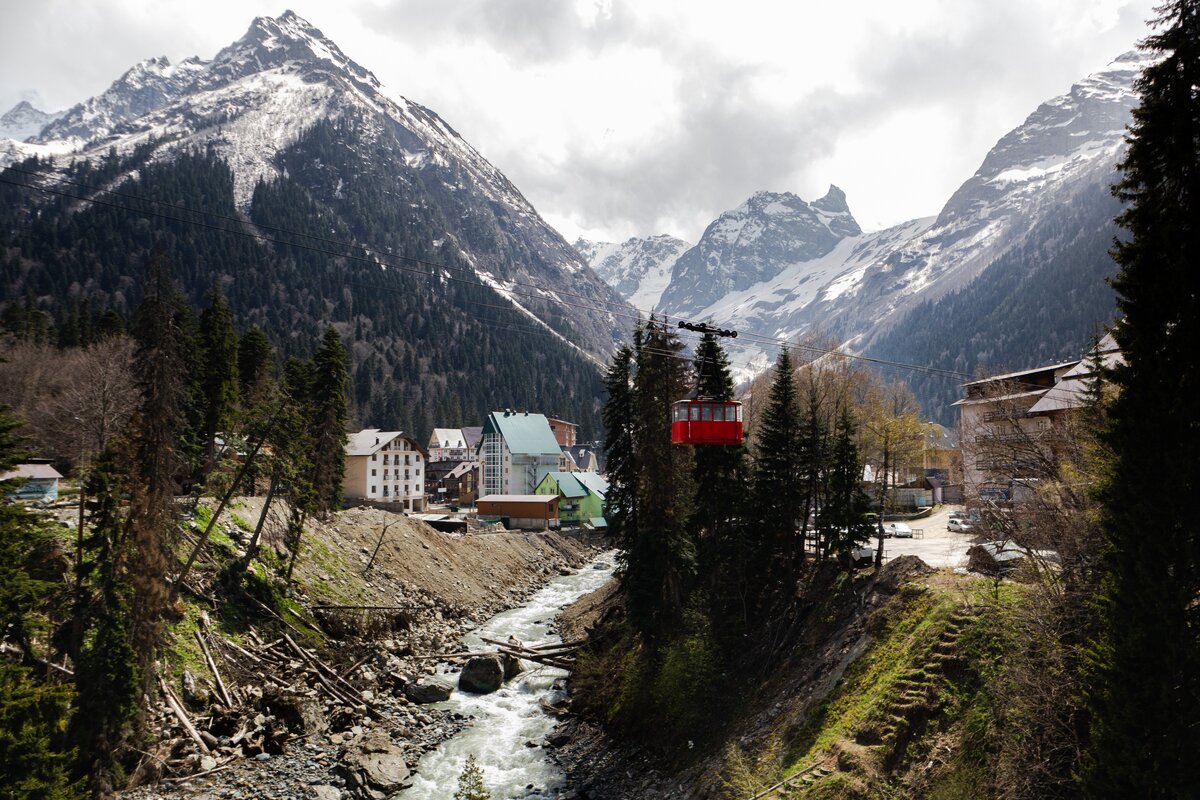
(330, 373)
(219, 368)
(778, 493)
(843, 520)
(620, 451)
(470, 782)
(31, 713)
(660, 561)
(721, 477)
(255, 362)
(1145, 697)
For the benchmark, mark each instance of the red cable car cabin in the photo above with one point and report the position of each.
(706, 422)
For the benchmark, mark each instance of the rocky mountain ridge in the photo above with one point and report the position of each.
(638, 268)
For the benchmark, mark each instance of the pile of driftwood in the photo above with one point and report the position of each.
(556, 654)
(261, 695)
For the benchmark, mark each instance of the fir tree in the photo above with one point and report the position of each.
(1145, 697)
(219, 371)
(470, 783)
(721, 477)
(778, 492)
(621, 450)
(330, 373)
(661, 561)
(843, 523)
(255, 361)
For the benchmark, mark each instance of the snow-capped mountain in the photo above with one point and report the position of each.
(23, 121)
(638, 268)
(258, 97)
(864, 284)
(755, 242)
(147, 86)
(386, 223)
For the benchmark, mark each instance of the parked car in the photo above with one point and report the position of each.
(900, 530)
(960, 525)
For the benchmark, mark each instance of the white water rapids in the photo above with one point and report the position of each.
(505, 720)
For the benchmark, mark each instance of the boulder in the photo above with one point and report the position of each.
(302, 714)
(482, 675)
(512, 666)
(428, 691)
(375, 766)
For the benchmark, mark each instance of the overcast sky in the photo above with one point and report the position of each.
(632, 117)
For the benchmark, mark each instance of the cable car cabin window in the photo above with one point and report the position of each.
(707, 412)
(739, 412)
(695, 412)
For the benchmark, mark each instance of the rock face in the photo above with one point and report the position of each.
(482, 675)
(375, 767)
(23, 121)
(425, 692)
(638, 268)
(755, 242)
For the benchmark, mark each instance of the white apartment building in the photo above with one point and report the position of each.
(386, 467)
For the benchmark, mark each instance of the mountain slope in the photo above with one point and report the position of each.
(283, 129)
(23, 121)
(638, 268)
(1039, 201)
(755, 242)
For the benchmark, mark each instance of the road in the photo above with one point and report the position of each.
(939, 547)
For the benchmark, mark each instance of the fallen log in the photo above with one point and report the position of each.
(222, 691)
(181, 715)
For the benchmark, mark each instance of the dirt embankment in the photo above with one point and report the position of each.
(862, 682)
(380, 630)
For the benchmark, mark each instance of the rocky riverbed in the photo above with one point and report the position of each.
(301, 731)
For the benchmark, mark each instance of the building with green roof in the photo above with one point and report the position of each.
(580, 495)
(518, 450)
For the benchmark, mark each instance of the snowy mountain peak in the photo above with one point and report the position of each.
(145, 87)
(638, 268)
(23, 121)
(276, 41)
(755, 242)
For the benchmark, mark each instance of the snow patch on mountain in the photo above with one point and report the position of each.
(23, 121)
(638, 268)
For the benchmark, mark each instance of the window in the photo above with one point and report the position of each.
(695, 412)
(372, 490)
(372, 473)
(708, 412)
(739, 413)
(374, 457)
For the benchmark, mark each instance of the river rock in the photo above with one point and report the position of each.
(375, 766)
(482, 675)
(428, 691)
(302, 714)
(512, 666)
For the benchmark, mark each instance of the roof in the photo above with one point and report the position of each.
(462, 469)
(524, 433)
(598, 522)
(447, 437)
(31, 472)
(517, 498)
(371, 440)
(1008, 376)
(472, 436)
(975, 401)
(593, 482)
(1072, 388)
(568, 486)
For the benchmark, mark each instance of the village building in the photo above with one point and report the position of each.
(386, 467)
(39, 482)
(525, 511)
(564, 432)
(518, 449)
(581, 458)
(580, 497)
(453, 481)
(1010, 423)
(448, 444)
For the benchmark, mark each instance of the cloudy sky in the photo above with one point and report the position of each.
(632, 117)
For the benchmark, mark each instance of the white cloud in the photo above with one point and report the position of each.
(623, 117)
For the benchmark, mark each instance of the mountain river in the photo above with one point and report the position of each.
(505, 720)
